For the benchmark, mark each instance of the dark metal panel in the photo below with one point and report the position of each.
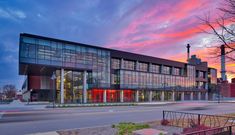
(144, 58)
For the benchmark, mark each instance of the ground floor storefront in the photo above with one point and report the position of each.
(112, 96)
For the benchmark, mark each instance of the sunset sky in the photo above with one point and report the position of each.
(159, 28)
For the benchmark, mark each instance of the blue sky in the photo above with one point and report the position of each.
(143, 26)
(83, 21)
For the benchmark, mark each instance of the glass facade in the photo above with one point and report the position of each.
(154, 68)
(156, 96)
(109, 73)
(64, 55)
(116, 63)
(176, 71)
(142, 67)
(143, 96)
(166, 70)
(135, 79)
(127, 64)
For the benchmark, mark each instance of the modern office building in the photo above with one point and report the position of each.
(72, 72)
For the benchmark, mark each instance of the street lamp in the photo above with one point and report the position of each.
(53, 77)
(30, 96)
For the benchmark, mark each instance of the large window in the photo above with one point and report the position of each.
(62, 54)
(142, 66)
(73, 84)
(176, 71)
(137, 79)
(116, 64)
(129, 65)
(154, 68)
(201, 74)
(166, 70)
(201, 85)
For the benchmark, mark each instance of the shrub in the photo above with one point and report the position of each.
(126, 128)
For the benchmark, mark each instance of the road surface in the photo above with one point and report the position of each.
(44, 120)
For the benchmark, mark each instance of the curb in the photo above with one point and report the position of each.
(45, 133)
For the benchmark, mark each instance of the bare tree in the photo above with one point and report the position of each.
(223, 28)
(9, 91)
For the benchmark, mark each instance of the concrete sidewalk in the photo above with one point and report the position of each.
(17, 105)
(157, 103)
(111, 104)
(45, 133)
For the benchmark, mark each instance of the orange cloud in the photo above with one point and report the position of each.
(162, 31)
(203, 54)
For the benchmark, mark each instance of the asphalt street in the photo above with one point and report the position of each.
(28, 121)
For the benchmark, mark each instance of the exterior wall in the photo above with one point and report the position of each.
(112, 75)
(34, 82)
(225, 90)
(26, 96)
(232, 86)
(45, 82)
(130, 75)
(39, 82)
(232, 89)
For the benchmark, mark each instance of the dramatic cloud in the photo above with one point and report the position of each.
(160, 28)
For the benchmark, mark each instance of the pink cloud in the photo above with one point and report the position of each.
(164, 29)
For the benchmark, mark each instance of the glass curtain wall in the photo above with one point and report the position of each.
(128, 95)
(195, 95)
(187, 95)
(68, 55)
(140, 80)
(168, 95)
(113, 95)
(95, 96)
(203, 95)
(178, 96)
(73, 85)
(156, 96)
(143, 95)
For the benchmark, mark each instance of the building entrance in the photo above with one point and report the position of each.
(73, 85)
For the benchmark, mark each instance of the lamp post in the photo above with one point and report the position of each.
(30, 96)
(53, 77)
(164, 86)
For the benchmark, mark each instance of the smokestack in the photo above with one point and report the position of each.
(223, 71)
(188, 52)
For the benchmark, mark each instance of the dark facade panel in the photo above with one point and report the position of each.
(144, 58)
